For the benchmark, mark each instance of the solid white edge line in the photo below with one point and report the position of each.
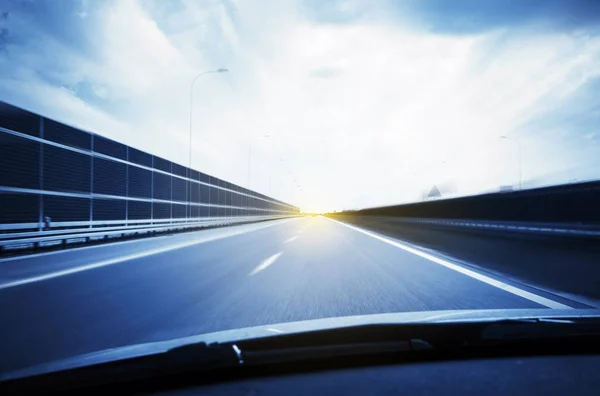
(134, 256)
(267, 262)
(486, 279)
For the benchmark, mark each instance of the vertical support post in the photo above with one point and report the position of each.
(92, 182)
(41, 178)
(152, 193)
(127, 187)
(520, 167)
(188, 194)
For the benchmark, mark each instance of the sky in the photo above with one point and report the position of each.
(328, 105)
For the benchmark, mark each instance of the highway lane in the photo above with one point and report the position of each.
(25, 269)
(221, 279)
(565, 266)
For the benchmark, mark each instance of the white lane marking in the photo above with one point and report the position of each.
(265, 264)
(300, 231)
(292, 239)
(134, 256)
(486, 279)
(274, 330)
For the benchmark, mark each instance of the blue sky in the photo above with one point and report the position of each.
(365, 102)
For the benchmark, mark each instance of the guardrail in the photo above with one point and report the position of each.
(45, 239)
(529, 228)
(569, 204)
(12, 230)
(556, 229)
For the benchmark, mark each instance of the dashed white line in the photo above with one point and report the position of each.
(265, 264)
(486, 279)
(292, 239)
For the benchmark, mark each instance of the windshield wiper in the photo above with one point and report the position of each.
(204, 362)
(296, 354)
(213, 356)
(202, 354)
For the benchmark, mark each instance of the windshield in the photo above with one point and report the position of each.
(176, 168)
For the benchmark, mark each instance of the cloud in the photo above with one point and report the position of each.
(325, 72)
(475, 16)
(340, 11)
(367, 103)
(4, 32)
(56, 20)
(3, 39)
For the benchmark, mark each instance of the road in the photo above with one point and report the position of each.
(56, 305)
(561, 265)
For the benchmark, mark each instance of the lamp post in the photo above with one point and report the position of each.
(188, 185)
(520, 157)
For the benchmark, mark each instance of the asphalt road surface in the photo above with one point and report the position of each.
(60, 304)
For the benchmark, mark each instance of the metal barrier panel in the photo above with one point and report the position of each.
(52, 171)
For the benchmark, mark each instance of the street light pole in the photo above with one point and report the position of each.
(188, 185)
(520, 158)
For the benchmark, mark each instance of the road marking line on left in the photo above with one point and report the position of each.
(265, 264)
(134, 256)
(465, 271)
